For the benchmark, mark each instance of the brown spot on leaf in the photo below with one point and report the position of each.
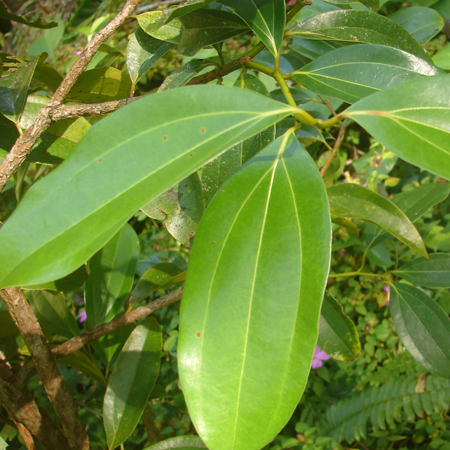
(213, 242)
(100, 160)
(202, 130)
(198, 334)
(164, 138)
(191, 154)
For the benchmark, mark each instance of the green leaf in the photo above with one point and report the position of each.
(379, 256)
(181, 208)
(122, 163)
(142, 52)
(14, 89)
(179, 443)
(207, 27)
(7, 326)
(8, 132)
(40, 23)
(69, 283)
(100, 85)
(338, 335)
(157, 277)
(83, 363)
(412, 119)
(422, 23)
(442, 58)
(313, 49)
(48, 75)
(154, 24)
(357, 26)
(131, 382)
(47, 41)
(423, 326)
(266, 18)
(187, 7)
(182, 75)
(111, 277)
(356, 202)
(374, 4)
(3, 444)
(433, 272)
(354, 72)
(228, 314)
(220, 169)
(414, 204)
(52, 312)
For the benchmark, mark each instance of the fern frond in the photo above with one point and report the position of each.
(385, 405)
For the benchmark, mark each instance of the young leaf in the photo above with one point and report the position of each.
(181, 208)
(228, 313)
(100, 85)
(422, 23)
(354, 72)
(266, 18)
(52, 312)
(179, 443)
(358, 26)
(111, 277)
(433, 272)
(122, 163)
(157, 277)
(206, 27)
(423, 326)
(356, 202)
(338, 336)
(142, 52)
(412, 119)
(220, 169)
(14, 89)
(132, 381)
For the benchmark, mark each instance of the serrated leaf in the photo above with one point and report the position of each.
(179, 443)
(122, 163)
(40, 23)
(14, 89)
(433, 272)
(181, 208)
(111, 277)
(157, 277)
(356, 26)
(422, 23)
(142, 52)
(266, 18)
(412, 119)
(100, 85)
(52, 312)
(356, 202)
(354, 72)
(131, 382)
(228, 300)
(220, 169)
(207, 27)
(423, 326)
(338, 336)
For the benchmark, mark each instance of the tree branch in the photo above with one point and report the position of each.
(45, 363)
(28, 139)
(337, 144)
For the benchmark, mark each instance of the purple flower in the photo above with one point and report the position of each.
(78, 52)
(387, 289)
(365, 185)
(319, 356)
(342, 252)
(82, 316)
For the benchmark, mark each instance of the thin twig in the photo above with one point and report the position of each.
(337, 144)
(45, 363)
(25, 143)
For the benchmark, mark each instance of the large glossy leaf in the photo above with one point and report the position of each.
(181, 208)
(433, 272)
(356, 202)
(179, 443)
(354, 72)
(206, 27)
(358, 26)
(154, 24)
(338, 336)
(414, 204)
(220, 169)
(313, 49)
(100, 85)
(122, 163)
(52, 312)
(423, 326)
(412, 119)
(132, 381)
(111, 277)
(267, 19)
(422, 23)
(235, 302)
(142, 52)
(14, 89)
